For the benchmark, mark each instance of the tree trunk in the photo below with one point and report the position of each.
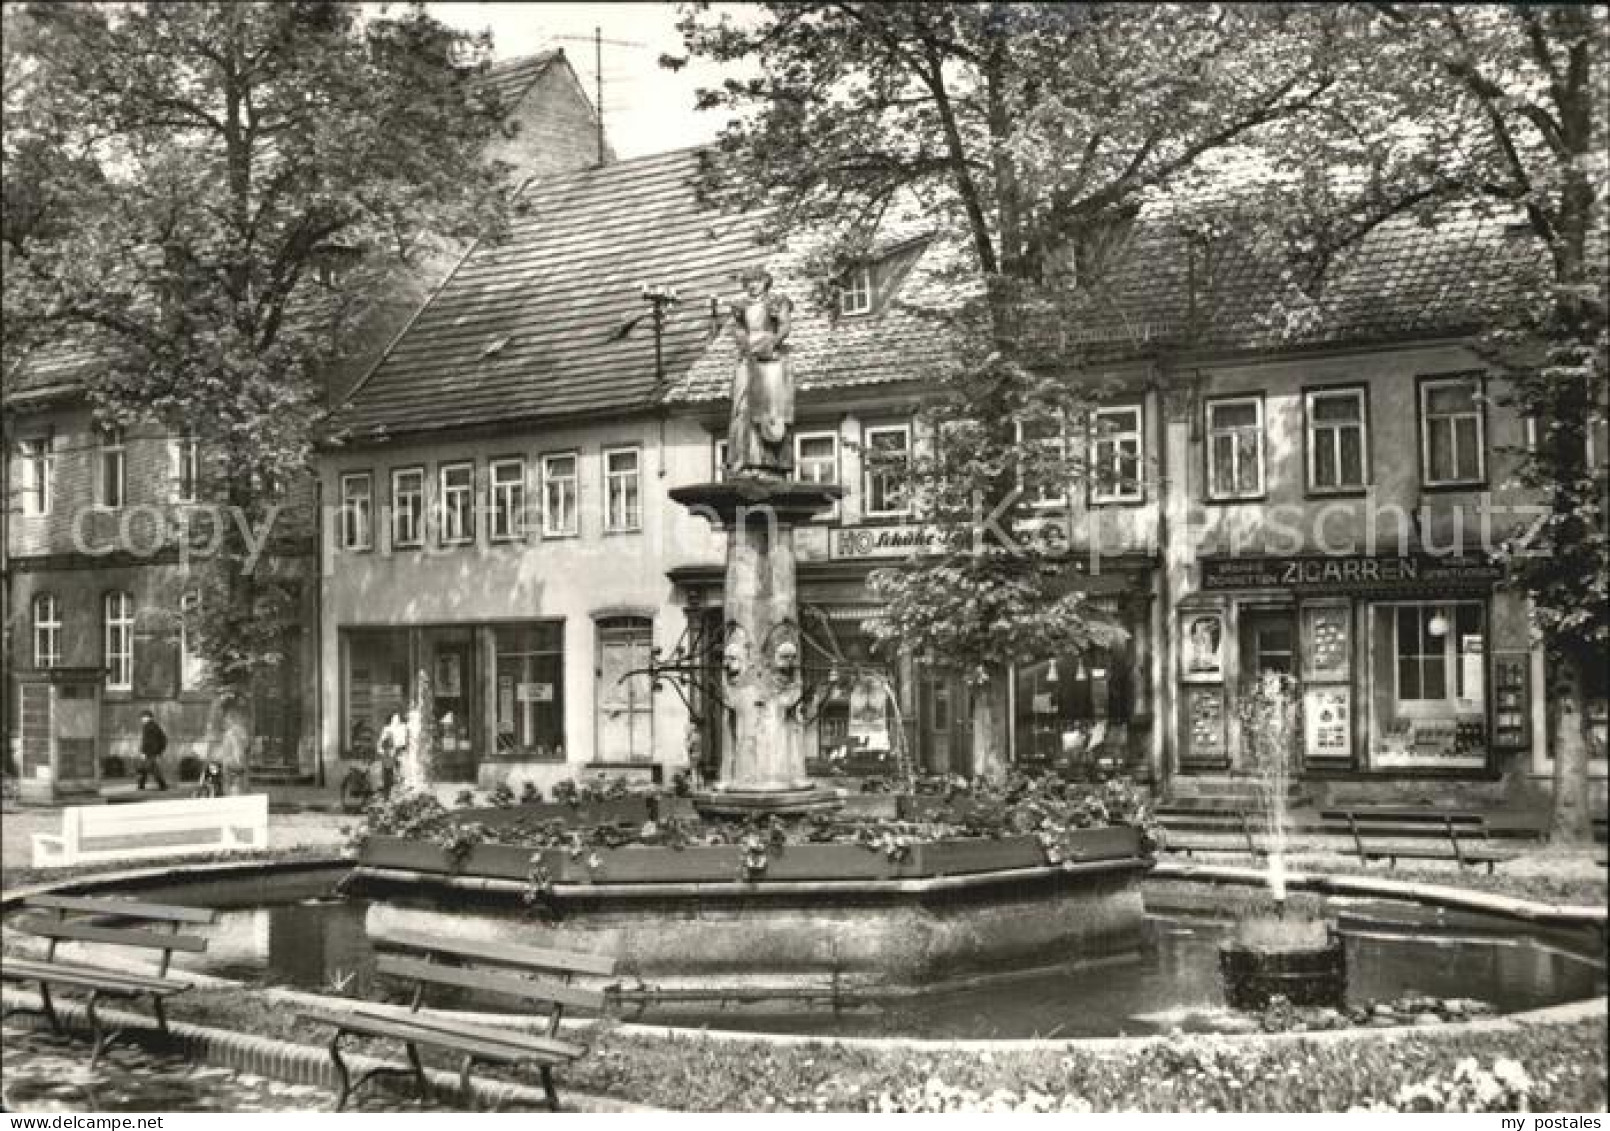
(1569, 820)
(989, 728)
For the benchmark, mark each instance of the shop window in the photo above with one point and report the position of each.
(35, 482)
(192, 668)
(1117, 448)
(357, 511)
(118, 624)
(1338, 446)
(1451, 431)
(530, 677)
(457, 489)
(112, 480)
(625, 694)
(623, 490)
(1430, 684)
(47, 631)
(1073, 710)
(508, 499)
(1268, 643)
(1235, 448)
(408, 508)
(377, 685)
(559, 496)
(887, 455)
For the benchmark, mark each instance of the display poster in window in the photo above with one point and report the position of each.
(1328, 645)
(1327, 718)
(449, 675)
(1472, 657)
(1512, 701)
(534, 693)
(1205, 717)
(868, 723)
(1202, 646)
(1431, 744)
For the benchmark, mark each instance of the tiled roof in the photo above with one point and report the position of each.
(903, 338)
(511, 78)
(533, 327)
(1403, 281)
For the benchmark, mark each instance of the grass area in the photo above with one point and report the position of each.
(1559, 1067)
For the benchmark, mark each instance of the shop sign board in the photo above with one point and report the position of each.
(1347, 573)
(902, 540)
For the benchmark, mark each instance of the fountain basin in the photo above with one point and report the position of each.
(1304, 976)
(815, 915)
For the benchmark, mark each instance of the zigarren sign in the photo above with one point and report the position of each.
(1347, 573)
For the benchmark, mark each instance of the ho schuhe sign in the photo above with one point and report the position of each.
(1347, 573)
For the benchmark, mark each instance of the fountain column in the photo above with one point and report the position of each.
(758, 504)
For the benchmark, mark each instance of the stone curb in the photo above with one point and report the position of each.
(178, 870)
(1551, 1015)
(1510, 907)
(305, 1064)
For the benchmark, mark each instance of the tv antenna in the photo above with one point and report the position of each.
(597, 40)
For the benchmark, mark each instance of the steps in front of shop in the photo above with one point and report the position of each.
(1225, 793)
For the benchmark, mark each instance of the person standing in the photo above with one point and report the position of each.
(153, 743)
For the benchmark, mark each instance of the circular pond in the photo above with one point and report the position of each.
(291, 930)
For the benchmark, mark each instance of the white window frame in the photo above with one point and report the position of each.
(571, 528)
(1360, 396)
(357, 511)
(37, 475)
(855, 293)
(184, 468)
(117, 639)
(868, 471)
(1261, 486)
(415, 513)
(47, 630)
(836, 475)
(628, 522)
(455, 504)
(113, 447)
(507, 520)
(1135, 493)
(1452, 656)
(1475, 382)
(192, 667)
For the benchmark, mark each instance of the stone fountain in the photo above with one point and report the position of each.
(758, 503)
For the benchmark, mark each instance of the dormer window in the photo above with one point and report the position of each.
(855, 293)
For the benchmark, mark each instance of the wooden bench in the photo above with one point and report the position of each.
(83, 919)
(1464, 854)
(539, 977)
(110, 833)
(1243, 824)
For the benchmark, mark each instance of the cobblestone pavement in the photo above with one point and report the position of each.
(45, 1073)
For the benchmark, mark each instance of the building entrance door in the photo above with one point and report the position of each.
(453, 690)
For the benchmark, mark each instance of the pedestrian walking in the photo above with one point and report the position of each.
(153, 743)
(393, 751)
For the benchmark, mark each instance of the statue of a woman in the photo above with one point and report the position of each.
(758, 438)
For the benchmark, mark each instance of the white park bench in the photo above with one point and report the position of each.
(140, 831)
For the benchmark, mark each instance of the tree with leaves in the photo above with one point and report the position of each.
(1444, 110)
(178, 180)
(1031, 132)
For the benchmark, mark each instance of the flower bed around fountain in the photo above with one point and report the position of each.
(1035, 872)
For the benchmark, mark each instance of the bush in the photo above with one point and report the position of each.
(113, 766)
(189, 768)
